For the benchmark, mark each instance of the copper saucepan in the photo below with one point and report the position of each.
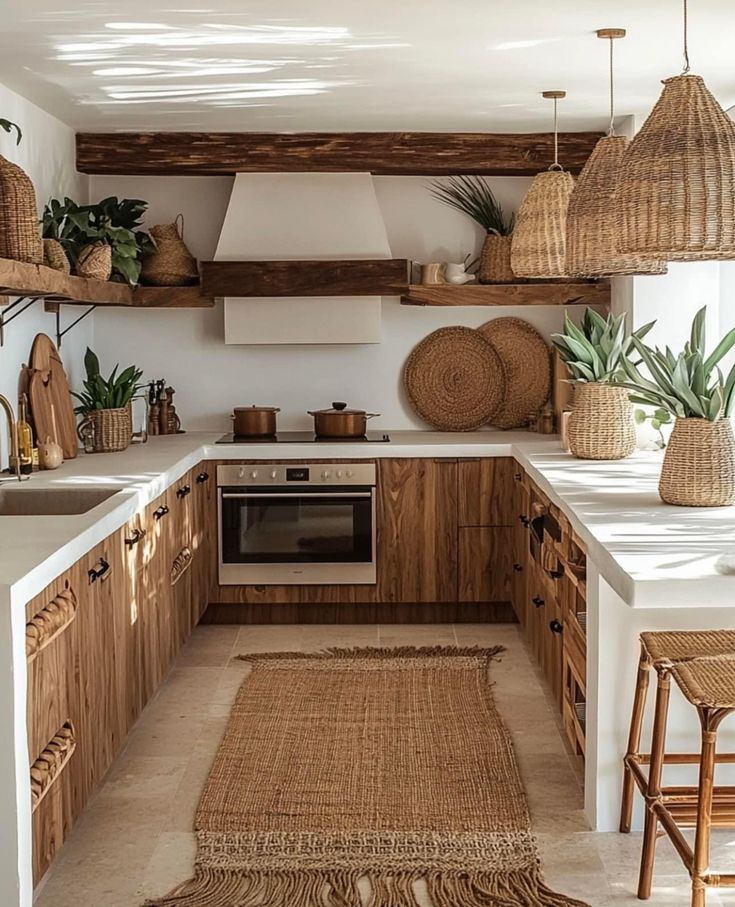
(254, 421)
(340, 422)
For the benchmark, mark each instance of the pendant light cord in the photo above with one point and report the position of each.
(687, 67)
(556, 165)
(611, 127)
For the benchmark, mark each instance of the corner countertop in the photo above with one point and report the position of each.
(652, 554)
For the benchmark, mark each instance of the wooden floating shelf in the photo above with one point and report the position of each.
(18, 278)
(361, 277)
(510, 294)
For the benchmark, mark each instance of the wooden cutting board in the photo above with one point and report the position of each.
(50, 398)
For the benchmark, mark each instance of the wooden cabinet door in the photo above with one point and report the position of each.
(486, 491)
(484, 564)
(417, 530)
(520, 565)
(204, 538)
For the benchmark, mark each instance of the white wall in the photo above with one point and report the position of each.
(187, 348)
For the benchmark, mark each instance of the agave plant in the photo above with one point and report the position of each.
(596, 350)
(472, 196)
(688, 384)
(106, 393)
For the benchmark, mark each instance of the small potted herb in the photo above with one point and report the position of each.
(105, 406)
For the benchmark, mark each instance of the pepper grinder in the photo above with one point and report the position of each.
(163, 412)
(153, 409)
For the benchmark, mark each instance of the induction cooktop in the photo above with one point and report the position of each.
(305, 437)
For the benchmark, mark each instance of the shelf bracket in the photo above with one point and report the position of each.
(61, 334)
(17, 307)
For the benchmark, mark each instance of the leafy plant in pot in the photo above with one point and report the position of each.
(472, 196)
(105, 405)
(699, 463)
(601, 425)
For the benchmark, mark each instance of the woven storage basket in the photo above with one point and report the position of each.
(494, 264)
(172, 264)
(676, 191)
(20, 235)
(95, 261)
(54, 256)
(112, 429)
(539, 237)
(601, 425)
(592, 222)
(699, 464)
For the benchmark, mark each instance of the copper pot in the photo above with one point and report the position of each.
(340, 422)
(254, 421)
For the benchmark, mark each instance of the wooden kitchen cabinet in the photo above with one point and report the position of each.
(204, 537)
(484, 568)
(486, 491)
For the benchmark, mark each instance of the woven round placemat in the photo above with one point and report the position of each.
(527, 362)
(455, 379)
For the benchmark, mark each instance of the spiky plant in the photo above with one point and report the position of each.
(596, 349)
(687, 384)
(473, 196)
(106, 393)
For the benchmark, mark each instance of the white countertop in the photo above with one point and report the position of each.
(652, 554)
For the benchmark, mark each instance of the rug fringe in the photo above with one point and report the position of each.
(339, 888)
(379, 652)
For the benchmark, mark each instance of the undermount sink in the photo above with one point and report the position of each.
(27, 501)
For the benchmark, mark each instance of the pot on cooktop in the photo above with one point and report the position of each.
(254, 421)
(340, 422)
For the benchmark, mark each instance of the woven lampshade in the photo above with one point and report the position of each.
(676, 185)
(539, 236)
(592, 221)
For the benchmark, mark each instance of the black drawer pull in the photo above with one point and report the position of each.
(555, 626)
(160, 512)
(518, 568)
(137, 536)
(203, 477)
(517, 477)
(183, 491)
(539, 602)
(94, 575)
(525, 521)
(556, 574)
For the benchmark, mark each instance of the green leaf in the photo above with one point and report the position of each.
(698, 327)
(91, 364)
(639, 416)
(721, 350)
(8, 126)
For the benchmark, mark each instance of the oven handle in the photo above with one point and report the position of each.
(300, 494)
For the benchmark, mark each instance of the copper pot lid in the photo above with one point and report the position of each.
(257, 409)
(340, 409)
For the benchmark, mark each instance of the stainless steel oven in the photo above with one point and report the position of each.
(296, 523)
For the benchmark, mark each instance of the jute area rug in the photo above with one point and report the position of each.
(365, 778)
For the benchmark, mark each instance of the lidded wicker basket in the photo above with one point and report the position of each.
(108, 430)
(494, 264)
(601, 425)
(172, 264)
(539, 237)
(699, 464)
(20, 234)
(95, 261)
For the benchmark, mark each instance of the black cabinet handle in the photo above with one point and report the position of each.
(525, 521)
(160, 512)
(518, 568)
(539, 602)
(138, 535)
(94, 575)
(517, 477)
(203, 477)
(556, 574)
(183, 491)
(555, 626)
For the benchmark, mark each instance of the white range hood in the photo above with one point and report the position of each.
(303, 216)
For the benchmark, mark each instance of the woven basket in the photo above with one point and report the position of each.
(111, 429)
(592, 224)
(95, 261)
(172, 264)
(55, 257)
(699, 464)
(539, 237)
(495, 260)
(20, 235)
(601, 425)
(676, 191)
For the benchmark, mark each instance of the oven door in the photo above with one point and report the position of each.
(290, 535)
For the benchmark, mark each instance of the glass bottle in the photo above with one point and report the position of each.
(25, 437)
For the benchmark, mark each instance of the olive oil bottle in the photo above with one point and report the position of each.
(25, 437)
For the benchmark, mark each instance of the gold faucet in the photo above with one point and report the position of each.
(14, 460)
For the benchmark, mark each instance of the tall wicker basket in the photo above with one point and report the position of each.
(107, 430)
(172, 264)
(699, 464)
(601, 425)
(20, 234)
(495, 260)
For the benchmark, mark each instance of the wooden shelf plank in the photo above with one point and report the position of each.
(409, 153)
(361, 277)
(18, 278)
(539, 293)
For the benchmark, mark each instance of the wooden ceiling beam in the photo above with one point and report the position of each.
(381, 153)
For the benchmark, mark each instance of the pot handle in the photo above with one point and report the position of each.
(371, 415)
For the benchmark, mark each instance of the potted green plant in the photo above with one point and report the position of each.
(105, 406)
(601, 425)
(473, 196)
(699, 463)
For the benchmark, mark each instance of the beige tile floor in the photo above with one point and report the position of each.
(134, 840)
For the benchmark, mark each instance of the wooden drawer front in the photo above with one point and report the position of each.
(50, 621)
(574, 652)
(484, 565)
(486, 491)
(574, 710)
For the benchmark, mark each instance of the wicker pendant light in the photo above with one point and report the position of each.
(676, 191)
(539, 238)
(592, 226)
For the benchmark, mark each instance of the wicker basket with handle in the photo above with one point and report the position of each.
(699, 464)
(106, 430)
(172, 264)
(494, 264)
(601, 425)
(55, 257)
(20, 234)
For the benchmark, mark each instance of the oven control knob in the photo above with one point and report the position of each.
(339, 473)
(254, 474)
(274, 474)
(350, 473)
(325, 474)
(241, 472)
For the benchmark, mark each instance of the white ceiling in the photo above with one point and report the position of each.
(289, 65)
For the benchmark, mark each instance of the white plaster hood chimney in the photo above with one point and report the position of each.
(302, 216)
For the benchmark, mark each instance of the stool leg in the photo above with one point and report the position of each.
(634, 740)
(710, 720)
(653, 791)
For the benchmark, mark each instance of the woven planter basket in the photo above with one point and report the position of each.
(20, 235)
(494, 264)
(601, 425)
(699, 464)
(676, 191)
(111, 429)
(592, 222)
(95, 261)
(55, 257)
(172, 264)
(539, 237)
